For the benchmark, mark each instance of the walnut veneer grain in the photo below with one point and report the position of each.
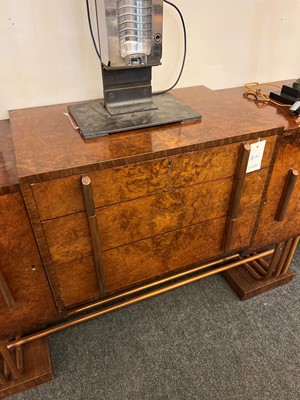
(139, 261)
(22, 267)
(119, 224)
(162, 198)
(20, 261)
(47, 146)
(63, 196)
(270, 230)
(148, 185)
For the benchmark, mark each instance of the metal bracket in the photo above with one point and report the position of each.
(127, 90)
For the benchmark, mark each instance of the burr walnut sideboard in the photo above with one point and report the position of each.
(88, 227)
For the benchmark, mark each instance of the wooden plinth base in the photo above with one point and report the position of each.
(37, 369)
(246, 286)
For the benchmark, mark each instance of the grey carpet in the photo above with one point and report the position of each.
(198, 342)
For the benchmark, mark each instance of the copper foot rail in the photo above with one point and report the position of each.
(152, 284)
(115, 307)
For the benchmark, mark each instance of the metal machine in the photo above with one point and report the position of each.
(129, 36)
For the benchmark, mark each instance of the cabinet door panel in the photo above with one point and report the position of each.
(22, 268)
(153, 218)
(270, 230)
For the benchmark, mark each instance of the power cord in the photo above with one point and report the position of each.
(91, 29)
(184, 48)
(255, 89)
(184, 42)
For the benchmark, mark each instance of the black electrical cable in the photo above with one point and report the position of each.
(184, 42)
(184, 48)
(91, 28)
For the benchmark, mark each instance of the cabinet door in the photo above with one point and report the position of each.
(25, 297)
(284, 187)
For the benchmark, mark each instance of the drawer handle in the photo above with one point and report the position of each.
(86, 184)
(286, 194)
(6, 292)
(236, 196)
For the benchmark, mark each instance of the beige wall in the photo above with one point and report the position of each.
(47, 56)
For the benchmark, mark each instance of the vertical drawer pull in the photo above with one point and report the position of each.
(86, 184)
(236, 196)
(286, 194)
(6, 292)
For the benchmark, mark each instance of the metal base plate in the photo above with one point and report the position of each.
(93, 119)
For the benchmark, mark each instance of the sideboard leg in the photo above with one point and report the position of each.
(9, 365)
(24, 367)
(253, 279)
(6, 371)
(2, 380)
(19, 359)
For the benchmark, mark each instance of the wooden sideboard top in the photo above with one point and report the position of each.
(8, 172)
(47, 146)
(279, 115)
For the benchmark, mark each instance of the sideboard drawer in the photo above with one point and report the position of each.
(78, 281)
(68, 237)
(162, 254)
(140, 261)
(59, 197)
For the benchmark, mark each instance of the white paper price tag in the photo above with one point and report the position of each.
(256, 156)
